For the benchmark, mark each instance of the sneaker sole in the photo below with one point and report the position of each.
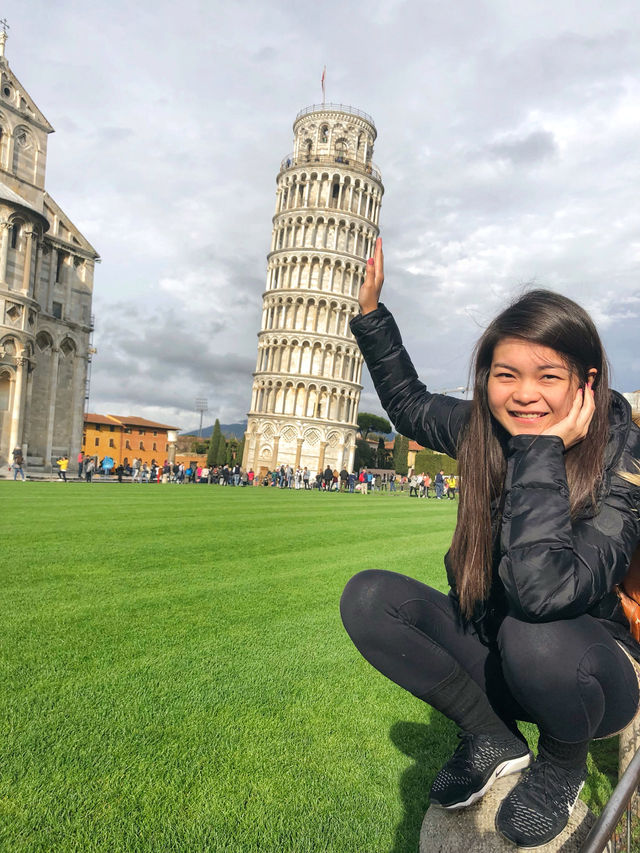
(513, 765)
(542, 844)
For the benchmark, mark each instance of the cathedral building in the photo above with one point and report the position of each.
(306, 387)
(46, 285)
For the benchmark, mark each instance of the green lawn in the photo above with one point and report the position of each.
(174, 675)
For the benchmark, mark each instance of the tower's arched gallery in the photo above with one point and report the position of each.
(46, 285)
(306, 386)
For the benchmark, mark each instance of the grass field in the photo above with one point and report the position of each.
(175, 676)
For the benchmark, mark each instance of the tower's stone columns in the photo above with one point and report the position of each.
(4, 250)
(323, 448)
(299, 442)
(17, 415)
(28, 257)
(352, 453)
(256, 452)
(48, 306)
(53, 384)
(78, 380)
(36, 276)
(274, 457)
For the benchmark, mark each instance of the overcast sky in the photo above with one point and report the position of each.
(508, 141)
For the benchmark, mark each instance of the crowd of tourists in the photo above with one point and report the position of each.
(302, 478)
(440, 487)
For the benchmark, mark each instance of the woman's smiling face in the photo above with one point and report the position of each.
(530, 387)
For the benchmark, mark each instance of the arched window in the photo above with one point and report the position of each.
(324, 133)
(16, 231)
(342, 149)
(5, 391)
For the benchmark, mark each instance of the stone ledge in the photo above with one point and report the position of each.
(472, 830)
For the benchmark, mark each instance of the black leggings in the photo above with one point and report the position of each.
(569, 677)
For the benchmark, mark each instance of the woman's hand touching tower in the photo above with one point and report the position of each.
(373, 280)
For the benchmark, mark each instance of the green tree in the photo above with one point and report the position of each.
(400, 451)
(382, 454)
(430, 462)
(240, 451)
(221, 452)
(368, 422)
(212, 455)
(363, 457)
(232, 451)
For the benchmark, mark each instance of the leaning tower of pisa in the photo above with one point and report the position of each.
(306, 387)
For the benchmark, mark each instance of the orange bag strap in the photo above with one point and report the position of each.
(631, 583)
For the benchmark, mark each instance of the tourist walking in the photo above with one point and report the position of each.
(63, 464)
(328, 478)
(89, 468)
(18, 464)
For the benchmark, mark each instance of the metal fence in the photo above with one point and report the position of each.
(605, 835)
(342, 108)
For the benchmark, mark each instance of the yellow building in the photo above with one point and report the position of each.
(126, 438)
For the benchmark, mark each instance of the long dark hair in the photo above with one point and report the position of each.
(550, 320)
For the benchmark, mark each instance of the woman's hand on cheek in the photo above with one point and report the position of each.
(374, 277)
(574, 427)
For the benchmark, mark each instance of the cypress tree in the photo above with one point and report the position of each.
(212, 455)
(232, 451)
(221, 453)
(400, 451)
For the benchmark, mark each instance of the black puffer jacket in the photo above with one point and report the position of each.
(546, 566)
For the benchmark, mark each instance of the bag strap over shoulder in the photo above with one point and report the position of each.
(629, 595)
(631, 583)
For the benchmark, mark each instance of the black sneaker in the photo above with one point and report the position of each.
(475, 765)
(539, 806)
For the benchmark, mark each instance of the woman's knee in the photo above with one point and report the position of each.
(570, 675)
(531, 651)
(365, 596)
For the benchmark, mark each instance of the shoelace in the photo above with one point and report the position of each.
(463, 755)
(546, 784)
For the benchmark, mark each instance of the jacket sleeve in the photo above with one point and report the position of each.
(433, 420)
(550, 567)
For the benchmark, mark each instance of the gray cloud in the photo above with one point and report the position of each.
(530, 149)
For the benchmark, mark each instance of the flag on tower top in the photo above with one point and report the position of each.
(324, 74)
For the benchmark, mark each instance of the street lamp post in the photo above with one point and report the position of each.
(202, 406)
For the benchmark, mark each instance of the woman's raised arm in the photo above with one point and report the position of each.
(433, 420)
